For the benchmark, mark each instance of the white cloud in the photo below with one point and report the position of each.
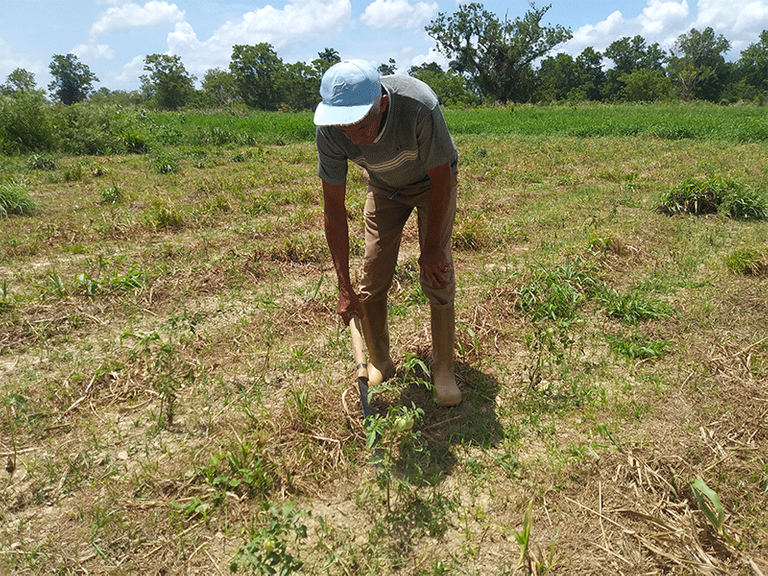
(128, 16)
(599, 35)
(295, 23)
(398, 14)
(10, 60)
(93, 52)
(432, 56)
(659, 17)
(733, 18)
(128, 74)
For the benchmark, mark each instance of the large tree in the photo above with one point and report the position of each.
(299, 86)
(257, 71)
(330, 55)
(630, 55)
(591, 75)
(218, 86)
(698, 66)
(496, 54)
(19, 81)
(72, 80)
(450, 87)
(752, 66)
(168, 83)
(557, 76)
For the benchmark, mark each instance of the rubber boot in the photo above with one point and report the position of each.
(376, 332)
(443, 334)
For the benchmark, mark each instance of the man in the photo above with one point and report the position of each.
(393, 127)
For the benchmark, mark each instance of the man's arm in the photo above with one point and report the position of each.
(434, 262)
(337, 236)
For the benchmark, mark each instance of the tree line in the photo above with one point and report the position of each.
(491, 60)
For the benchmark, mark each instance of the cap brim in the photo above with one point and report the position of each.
(340, 115)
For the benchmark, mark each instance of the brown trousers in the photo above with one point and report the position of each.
(386, 212)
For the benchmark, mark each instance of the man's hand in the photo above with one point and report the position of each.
(349, 303)
(435, 266)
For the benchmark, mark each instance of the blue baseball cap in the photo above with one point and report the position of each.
(348, 90)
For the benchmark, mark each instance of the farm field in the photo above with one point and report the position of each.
(177, 392)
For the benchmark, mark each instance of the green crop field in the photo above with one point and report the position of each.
(178, 394)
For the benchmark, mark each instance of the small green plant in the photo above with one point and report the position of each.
(112, 195)
(550, 342)
(266, 551)
(524, 536)
(167, 369)
(709, 502)
(535, 563)
(74, 173)
(5, 295)
(132, 281)
(386, 433)
(162, 217)
(472, 235)
(557, 294)
(54, 285)
(15, 198)
(194, 508)
(86, 285)
(135, 142)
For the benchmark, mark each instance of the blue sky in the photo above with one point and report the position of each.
(113, 36)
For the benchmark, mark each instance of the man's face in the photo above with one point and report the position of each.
(363, 133)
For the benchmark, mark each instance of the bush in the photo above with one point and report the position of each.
(748, 262)
(714, 195)
(26, 124)
(41, 162)
(89, 129)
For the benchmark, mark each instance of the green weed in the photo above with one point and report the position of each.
(636, 347)
(168, 370)
(165, 162)
(748, 262)
(267, 549)
(635, 307)
(112, 195)
(41, 162)
(54, 285)
(15, 198)
(557, 294)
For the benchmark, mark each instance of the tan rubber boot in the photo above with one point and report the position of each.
(376, 332)
(443, 334)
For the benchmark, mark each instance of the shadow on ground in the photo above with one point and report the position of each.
(474, 422)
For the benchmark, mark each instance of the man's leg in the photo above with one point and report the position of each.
(442, 312)
(384, 221)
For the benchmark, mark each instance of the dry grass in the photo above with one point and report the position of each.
(149, 424)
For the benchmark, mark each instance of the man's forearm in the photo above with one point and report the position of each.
(337, 230)
(440, 181)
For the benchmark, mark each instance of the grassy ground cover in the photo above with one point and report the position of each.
(178, 393)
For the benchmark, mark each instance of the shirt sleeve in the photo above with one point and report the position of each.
(435, 142)
(331, 158)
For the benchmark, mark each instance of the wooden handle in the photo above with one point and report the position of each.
(358, 348)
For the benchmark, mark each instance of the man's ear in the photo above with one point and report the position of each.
(384, 102)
